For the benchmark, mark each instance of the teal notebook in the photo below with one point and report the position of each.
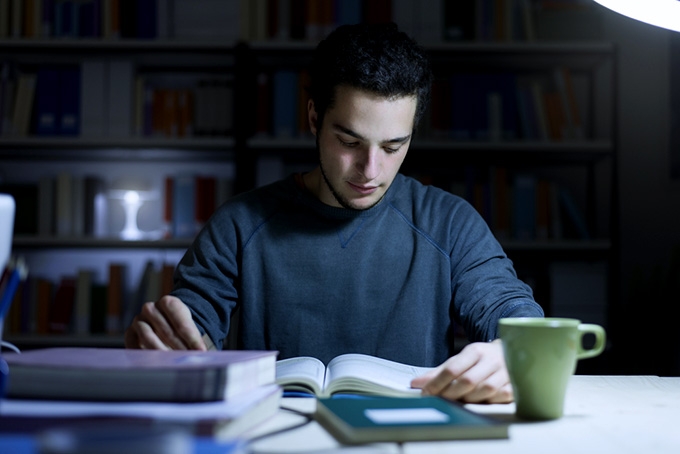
(398, 419)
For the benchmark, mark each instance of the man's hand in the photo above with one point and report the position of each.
(164, 325)
(476, 375)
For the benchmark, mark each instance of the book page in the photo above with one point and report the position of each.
(368, 374)
(303, 373)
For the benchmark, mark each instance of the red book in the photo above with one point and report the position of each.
(62, 308)
(205, 199)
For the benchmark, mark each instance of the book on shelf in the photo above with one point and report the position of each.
(115, 297)
(115, 374)
(23, 102)
(98, 308)
(69, 84)
(47, 101)
(61, 309)
(398, 419)
(351, 373)
(93, 99)
(26, 199)
(221, 420)
(83, 296)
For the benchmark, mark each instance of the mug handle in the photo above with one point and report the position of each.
(600, 338)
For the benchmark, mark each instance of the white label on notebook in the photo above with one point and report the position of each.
(405, 415)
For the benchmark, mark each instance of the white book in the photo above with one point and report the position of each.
(224, 420)
(349, 373)
(120, 94)
(93, 98)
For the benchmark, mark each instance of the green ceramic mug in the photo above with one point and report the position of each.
(541, 355)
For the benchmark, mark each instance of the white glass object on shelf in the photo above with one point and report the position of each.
(132, 200)
(662, 13)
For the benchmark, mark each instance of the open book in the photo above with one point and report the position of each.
(351, 373)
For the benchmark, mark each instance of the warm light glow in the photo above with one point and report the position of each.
(662, 13)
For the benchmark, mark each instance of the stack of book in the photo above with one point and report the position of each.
(216, 394)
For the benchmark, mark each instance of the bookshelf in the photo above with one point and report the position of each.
(247, 150)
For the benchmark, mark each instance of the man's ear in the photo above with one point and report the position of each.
(312, 116)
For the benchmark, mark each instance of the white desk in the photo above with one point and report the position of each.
(603, 414)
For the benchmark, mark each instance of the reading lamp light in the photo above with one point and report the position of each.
(662, 13)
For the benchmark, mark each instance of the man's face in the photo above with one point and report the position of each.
(362, 144)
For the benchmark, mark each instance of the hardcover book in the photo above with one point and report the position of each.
(110, 374)
(398, 419)
(219, 420)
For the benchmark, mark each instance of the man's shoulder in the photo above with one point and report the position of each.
(425, 196)
(259, 202)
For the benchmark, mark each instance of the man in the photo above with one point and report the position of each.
(352, 256)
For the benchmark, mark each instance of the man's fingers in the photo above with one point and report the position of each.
(476, 374)
(182, 329)
(147, 337)
(154, 327)
(493, 389)
(164, 325)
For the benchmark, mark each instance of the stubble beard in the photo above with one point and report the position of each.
(343, 201)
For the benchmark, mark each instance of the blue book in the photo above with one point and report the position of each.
(285, 103)
(146, 19)
(574, 214)
(86, 19)
(524, 207)
(348, 12)
(527, 114)
(461, 102)
(66, 9)
(97, 18)
(47, 21)
(507, 87)
(69, 121)
(183, 207)
(47, 111)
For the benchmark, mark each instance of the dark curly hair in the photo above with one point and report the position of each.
(377, 58)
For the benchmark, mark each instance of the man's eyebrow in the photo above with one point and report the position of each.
(354, 134)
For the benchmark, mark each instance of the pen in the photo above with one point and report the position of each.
(16, 275)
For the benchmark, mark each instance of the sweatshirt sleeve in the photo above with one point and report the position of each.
(485, 286)
(205, 279)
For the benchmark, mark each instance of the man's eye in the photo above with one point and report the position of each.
(392, 150)
(348, 144)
